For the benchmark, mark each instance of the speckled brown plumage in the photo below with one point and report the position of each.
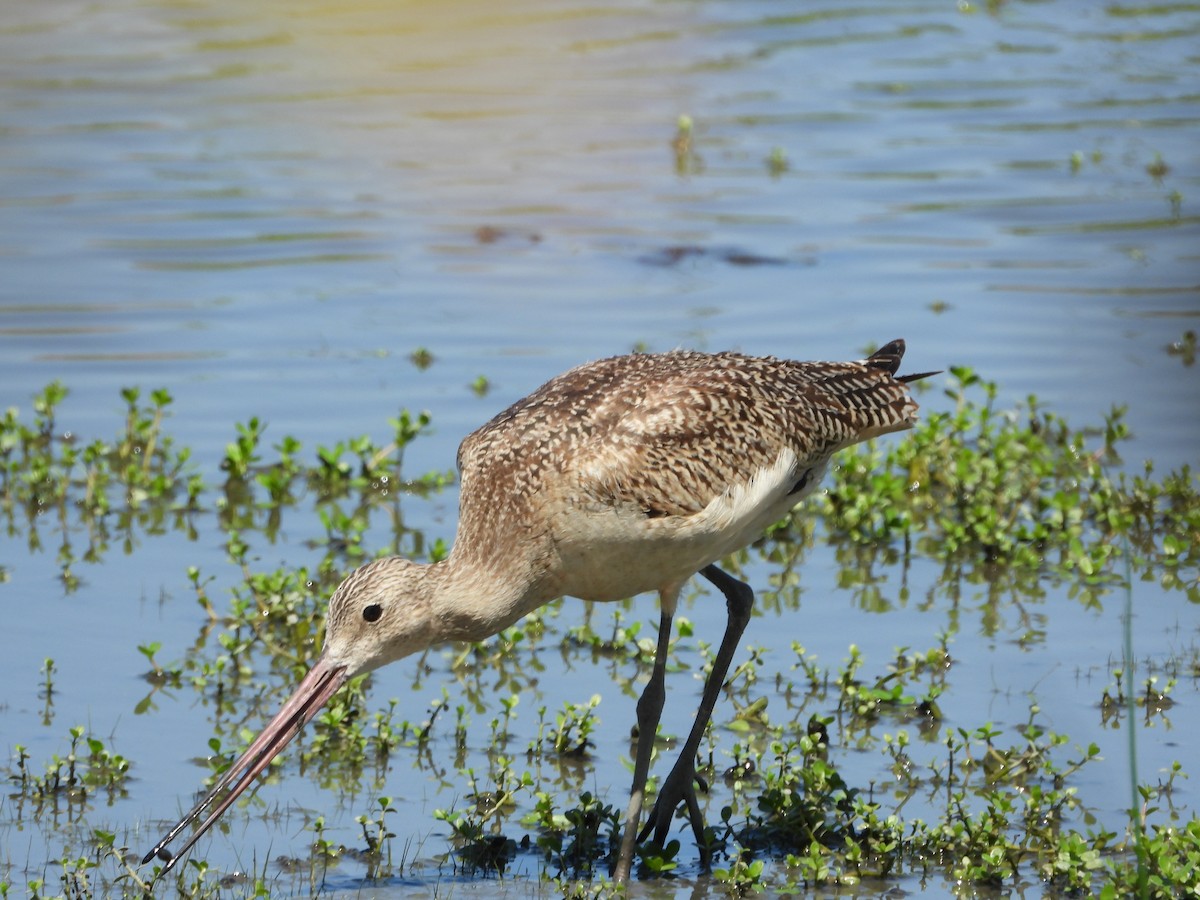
(663, 435)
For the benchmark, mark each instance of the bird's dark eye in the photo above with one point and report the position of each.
(373, 612)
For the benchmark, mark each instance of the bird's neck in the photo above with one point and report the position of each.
(471, 600)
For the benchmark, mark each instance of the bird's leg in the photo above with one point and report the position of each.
(679, 785)
(649, 710)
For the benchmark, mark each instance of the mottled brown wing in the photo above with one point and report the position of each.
(695, 437)
(667, 433)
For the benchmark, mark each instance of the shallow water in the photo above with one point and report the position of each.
(267, 207)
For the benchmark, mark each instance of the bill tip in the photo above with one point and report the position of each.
(161, 852)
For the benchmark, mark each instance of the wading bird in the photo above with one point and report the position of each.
(621, 476)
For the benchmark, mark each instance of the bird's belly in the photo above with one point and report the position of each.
(611, 561)
(609, 553)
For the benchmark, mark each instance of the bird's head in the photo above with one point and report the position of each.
(379, 614)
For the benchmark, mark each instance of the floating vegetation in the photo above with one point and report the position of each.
(996, 493)
(1005, 500)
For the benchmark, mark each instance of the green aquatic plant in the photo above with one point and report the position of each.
(1014, 490)
(579, 839)
(88, 768)
(141, 483)
(135, 481)
(377, 835)
(477, 828)
(573, 726)
(421, 358)
(1002, 501)
(777, 162)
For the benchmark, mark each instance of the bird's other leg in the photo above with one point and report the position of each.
(649, 711)
(679, 786)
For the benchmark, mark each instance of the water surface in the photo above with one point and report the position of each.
(267, 207)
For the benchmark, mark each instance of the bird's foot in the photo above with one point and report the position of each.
(678, 788)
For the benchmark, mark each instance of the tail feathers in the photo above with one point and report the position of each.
(888, 356)
(888, 359)
(918, 376)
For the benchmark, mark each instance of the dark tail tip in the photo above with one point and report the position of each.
(888, 356)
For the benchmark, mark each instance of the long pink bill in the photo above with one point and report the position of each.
(313, 692)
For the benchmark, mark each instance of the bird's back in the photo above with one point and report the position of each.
(651, 437)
